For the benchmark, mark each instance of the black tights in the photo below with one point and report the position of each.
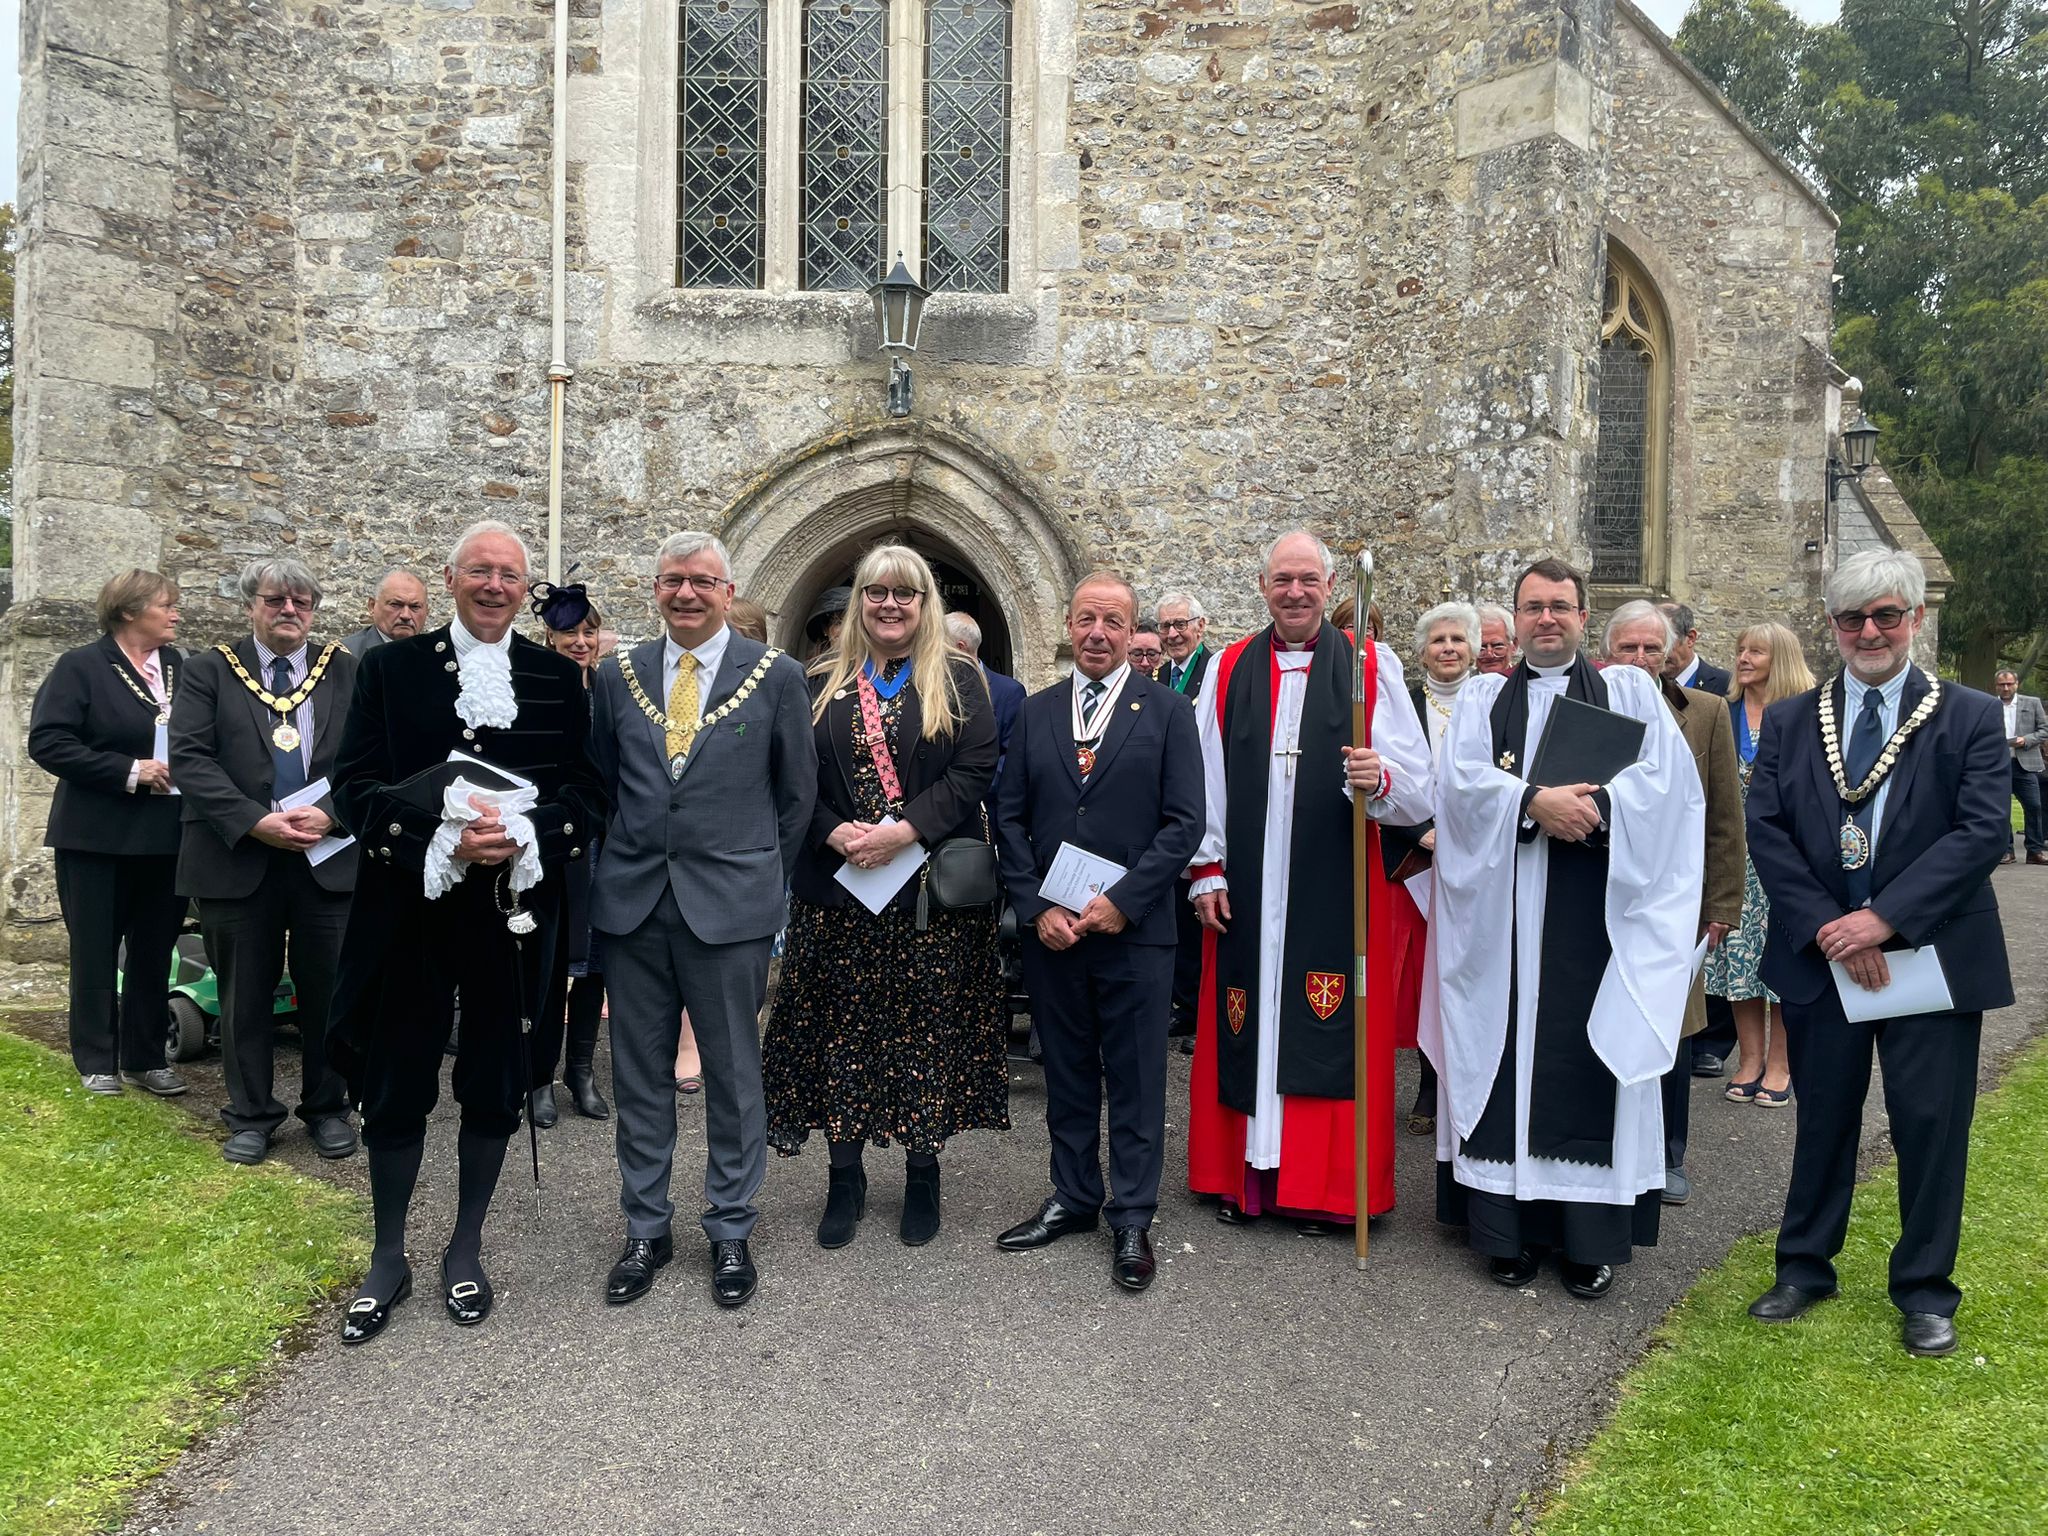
(394, 1171)
(847, 1154)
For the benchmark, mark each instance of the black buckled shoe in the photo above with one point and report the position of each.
(1518, 1271)
(1053, 1222)
(633, 1276)
(1928, 1333)
(1588, 1281)
(1132, 1266)
(733, 1276)
(468, 1301)
(1782, 1302)
(366, 1315)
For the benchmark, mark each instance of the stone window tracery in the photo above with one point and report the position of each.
(721, 143)
(845, 213)
(1633, 381)
(966, 144)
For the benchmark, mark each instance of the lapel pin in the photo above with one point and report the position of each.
(1136, 706)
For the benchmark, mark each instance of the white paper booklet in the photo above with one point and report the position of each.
(1077, 876)
(329, 845)
(876, 888)
(1918, 985)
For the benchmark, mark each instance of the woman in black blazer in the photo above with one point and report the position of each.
(99, 724)
(884, 1029)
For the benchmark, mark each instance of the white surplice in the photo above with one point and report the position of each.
(1485, 892)
(1398, 738)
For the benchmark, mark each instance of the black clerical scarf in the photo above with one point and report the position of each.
(1315, 1045)
(1571, 1091)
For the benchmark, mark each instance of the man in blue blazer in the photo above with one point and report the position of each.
(1005, 693)
(1110, 762)
(1877, 813)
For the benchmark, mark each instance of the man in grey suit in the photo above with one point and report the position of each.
(703, 740)
(398, 611)
(255, 724)
(2026, 728)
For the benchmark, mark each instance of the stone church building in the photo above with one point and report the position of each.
(1467, 283)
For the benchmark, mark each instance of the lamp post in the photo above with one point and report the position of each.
(899, 311)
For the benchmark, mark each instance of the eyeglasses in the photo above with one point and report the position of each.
(484, 573)
(1559, 609)
(882, 594)
(1168, 626)
(1145, 653)
(277, 602)
(1886, 619)
(1499, 649)
(703, 586)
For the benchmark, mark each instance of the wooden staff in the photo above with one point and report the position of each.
(1361, 738)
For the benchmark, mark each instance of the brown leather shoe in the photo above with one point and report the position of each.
(2009, 859)
(2037, 858)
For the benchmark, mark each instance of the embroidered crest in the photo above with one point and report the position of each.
(1234, 1001)
(1325, 992)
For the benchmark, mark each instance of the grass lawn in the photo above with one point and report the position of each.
(1827, 1426)
(143, 1283)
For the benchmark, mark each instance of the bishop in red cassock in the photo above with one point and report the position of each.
(1271, 1122)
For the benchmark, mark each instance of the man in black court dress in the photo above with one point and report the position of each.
(1110, 762)
(1877, 812)
(437, 894)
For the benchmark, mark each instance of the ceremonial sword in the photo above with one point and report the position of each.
(1361, 739)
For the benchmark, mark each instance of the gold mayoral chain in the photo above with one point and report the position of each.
(1856, 841)
(286, 735)
(161, 711)
(661, 720)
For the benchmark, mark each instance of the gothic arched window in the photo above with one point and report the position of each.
(1633, 449)
(967, 145)
(722, 144)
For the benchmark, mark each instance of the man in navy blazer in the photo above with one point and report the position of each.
(1005, 693)
(1110, 762)
(1877, 813)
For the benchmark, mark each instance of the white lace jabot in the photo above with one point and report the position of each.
(486, 697)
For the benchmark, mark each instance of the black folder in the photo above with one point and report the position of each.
(1585, 744)
(428, 788)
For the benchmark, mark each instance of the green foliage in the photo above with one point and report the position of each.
(1737, 1428)
(143, 1282)
(1927, 123)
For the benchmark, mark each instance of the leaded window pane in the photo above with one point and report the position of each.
(966, 231)
(1621, 460)
(722, 144)
(845, 217)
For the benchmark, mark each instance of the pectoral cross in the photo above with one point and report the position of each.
(1290, 753)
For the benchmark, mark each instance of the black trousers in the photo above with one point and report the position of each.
(288, 920)
(1101, 1008)
(1187, 960)
(1930, 1092)
(107, 900)
(1676, 1090)
(464, 944)
(2026, 788)
(574, 1004)
(1718, 1038)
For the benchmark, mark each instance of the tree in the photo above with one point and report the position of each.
(1926, 121)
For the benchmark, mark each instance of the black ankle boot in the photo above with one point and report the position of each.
(541, 1105)
(920, 1204)
(584, 1098)
(846, 1198)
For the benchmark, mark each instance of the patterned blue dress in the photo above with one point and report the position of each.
(1732, 964)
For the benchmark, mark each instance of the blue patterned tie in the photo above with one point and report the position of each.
(289, 776)
(1864, 744)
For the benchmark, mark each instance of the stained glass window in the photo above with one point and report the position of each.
(1633, 402)
(845, 182)
(722, 144)
(966, 234)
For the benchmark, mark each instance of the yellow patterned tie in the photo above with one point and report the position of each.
(682, 712)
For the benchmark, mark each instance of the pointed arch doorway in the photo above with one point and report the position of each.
(997, 555)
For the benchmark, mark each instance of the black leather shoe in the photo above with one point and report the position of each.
(1309, 1227)
(246, 1147)
(468, 1301)
(1518, 1271)
(1589, 1281)
(1707, 1064)
(1928, 1333)
(1185, 1045)
(1233, 1215)
(584, 1098)
(733, 1276)
(633, 1276)
(1677, 1187)
(1133, 1266)
(920, 1223)
(1053, 1222)
(846, 1201)
(541, 1105)
(1781, 1303)
(366, 1315)
(333, 1136)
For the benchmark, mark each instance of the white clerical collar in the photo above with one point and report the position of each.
(1552, 671)
(709, 653)
(465, 642)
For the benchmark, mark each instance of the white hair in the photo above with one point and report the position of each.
(1494, 613)
(1638, 611)
(489, 528)
(963, 631)
(1863, 578)
(280, 571)
(1185, 600)
(681, 546)
(1322, 550)
(1463, 614)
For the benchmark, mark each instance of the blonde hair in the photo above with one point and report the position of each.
(122, 599)
(931, 670)
(1790, 674)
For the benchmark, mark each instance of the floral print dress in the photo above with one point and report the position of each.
(1732, 964)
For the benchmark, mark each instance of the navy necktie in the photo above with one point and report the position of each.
(289, 776)
(1091, 700)
(1864, 744)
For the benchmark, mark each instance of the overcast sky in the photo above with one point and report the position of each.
(1666, 13)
